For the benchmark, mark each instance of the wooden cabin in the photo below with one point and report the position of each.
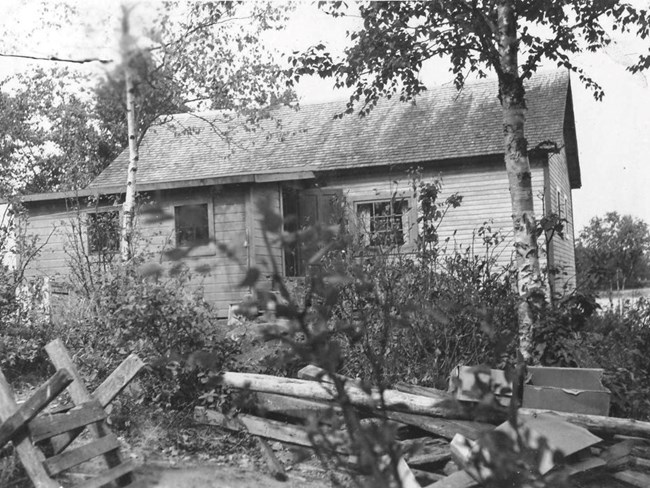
(203, 175)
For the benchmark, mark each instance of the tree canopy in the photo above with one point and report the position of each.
(613, 252)
(54, 135)
(63, 125)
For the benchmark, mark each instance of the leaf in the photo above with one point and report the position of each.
(251, 278)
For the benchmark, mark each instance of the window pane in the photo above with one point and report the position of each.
(380, 223)
(192, 225)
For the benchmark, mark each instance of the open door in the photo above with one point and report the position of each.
(316, 206)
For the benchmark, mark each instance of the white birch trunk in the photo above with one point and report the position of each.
(129, 198)
(529, 280)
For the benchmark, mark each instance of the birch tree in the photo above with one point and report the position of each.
(510, 38)
(199, 56)
(127, 50)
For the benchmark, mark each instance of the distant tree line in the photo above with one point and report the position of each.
(613, 253)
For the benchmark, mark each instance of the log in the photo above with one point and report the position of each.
(393, 400)
(597, 424)
(292, 406)
(446, 428)
(47, 392)
(421, 390)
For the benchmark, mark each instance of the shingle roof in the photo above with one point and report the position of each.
(442, 124)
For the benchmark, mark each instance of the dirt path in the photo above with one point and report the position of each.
(220, 476)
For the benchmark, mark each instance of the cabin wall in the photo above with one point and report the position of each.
(215, 272)
(482, 184)
(560, 202)
(51, 224)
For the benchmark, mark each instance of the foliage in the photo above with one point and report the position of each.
(54, 135)
(24, 323)
(613, 252)
(167, 326)
(619, 343)
(398, 37)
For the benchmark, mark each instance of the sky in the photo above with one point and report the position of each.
(613, 135)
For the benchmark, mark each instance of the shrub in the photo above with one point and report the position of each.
(172, 329)
(619, 344)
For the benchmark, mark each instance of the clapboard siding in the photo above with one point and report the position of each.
(237, 222)
(562, 250)
(482, 184)
(155, 235)
(52, 225)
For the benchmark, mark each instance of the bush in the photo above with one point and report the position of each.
(24, 322)
(173, 330)
(619, 344)
(414, 322)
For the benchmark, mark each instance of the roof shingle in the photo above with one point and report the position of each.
(442, 124)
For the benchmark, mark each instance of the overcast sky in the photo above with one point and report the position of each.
(613, 135)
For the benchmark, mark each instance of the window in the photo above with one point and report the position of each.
(192, 225)
(104, 232)
(383, 223)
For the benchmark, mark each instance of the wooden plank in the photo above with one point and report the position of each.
(406, 476)
(30, 457)
(74, 457)
(276, 468)
(270, 429)
(425, 476)
(47, 392)
(118, 380)
(61, 359)
(584, 466)
(641, 480)
(427, 451)
(116, 473)
(48, 426)
(459, 479)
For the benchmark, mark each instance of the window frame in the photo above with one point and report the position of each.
(408, 227)
(210, 247)
(90, 214)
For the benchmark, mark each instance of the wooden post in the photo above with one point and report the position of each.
(61, 359)
(37, 402)
(31, 458)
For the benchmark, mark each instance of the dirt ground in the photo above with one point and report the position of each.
(224, 476)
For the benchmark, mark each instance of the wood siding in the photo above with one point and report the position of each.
(236, 222)
(155, 234)
(562, 250)
(486, 199)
